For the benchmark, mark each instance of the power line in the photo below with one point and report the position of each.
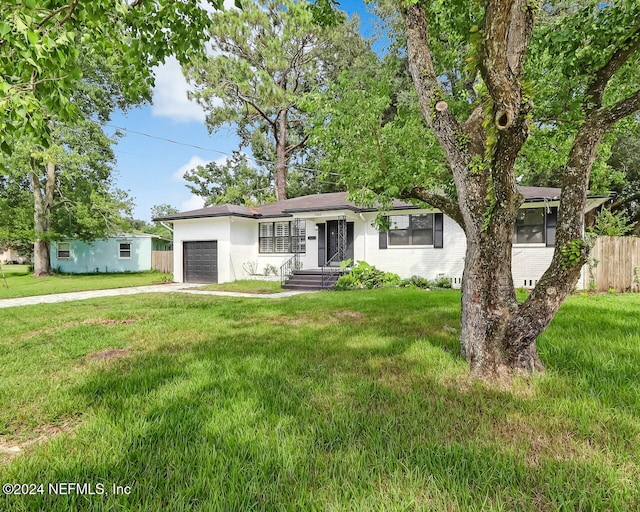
(195, 146)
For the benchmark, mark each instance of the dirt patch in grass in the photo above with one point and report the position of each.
(111, 353)
(541, 442)
(288, 320)
(11, 448)
(350, 316)
(344, 316)
(107, 322)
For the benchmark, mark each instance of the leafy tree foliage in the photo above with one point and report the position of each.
(65, 62)
(70, 184)
(44, 42)
(625, 159)
(234, 181)
(507, 90)
(263, 60)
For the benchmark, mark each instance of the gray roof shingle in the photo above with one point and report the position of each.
(322, 202)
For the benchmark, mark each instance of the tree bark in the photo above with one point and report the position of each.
(281, 156)
(498, 334)
(43, 202)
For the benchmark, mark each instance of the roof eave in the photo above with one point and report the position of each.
(205, 216)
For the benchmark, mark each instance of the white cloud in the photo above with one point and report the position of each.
(207, 6)
(193, 203)
(193, 162)
(170, 95)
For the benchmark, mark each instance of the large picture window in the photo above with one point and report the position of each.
(282, 237)
(64, 251)
(529, 228)
(411, 229)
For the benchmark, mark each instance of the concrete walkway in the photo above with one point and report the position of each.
(115, 292)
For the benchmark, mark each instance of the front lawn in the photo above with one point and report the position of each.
(246, 286)
(327, 401)
(21, 283)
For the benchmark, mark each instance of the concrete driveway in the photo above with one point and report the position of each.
(115, 292)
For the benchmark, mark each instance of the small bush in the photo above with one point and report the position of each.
(250, 267)
(443, 282)
(417, 282)
(347, 282)
(270, 269)
(363, 275)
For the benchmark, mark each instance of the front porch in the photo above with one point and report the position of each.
(334, 241)
(313, 279)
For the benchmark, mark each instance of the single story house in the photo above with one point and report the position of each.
(220, 243)
(125, 252)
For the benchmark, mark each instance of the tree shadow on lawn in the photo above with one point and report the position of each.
(314, 417)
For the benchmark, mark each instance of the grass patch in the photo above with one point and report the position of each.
(350, 401)
(246, 286)
(22, 284)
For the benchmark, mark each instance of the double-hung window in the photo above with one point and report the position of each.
(124, 250)
(411, 229)
(64, 251)
(530, 226)
(282, 237)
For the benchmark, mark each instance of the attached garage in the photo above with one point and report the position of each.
(200, 262)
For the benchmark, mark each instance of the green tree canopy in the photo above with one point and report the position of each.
(263, 60)
(42, 44)
(507, 90)
(234, 181)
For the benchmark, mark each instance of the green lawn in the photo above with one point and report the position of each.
(21, 283)
(246, 286)
(328, 401)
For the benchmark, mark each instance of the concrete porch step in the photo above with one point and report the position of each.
(309, 279)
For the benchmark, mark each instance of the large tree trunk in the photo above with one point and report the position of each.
(488, 339)
(498, 334)
(281, 156)
(43, 202)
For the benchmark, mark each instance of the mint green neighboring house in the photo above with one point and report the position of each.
(121, 253)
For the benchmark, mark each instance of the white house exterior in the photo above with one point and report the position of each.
(225, 242)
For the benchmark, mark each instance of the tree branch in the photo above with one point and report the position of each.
(595, 89)
(508, 26)
(623, 108)
(249, 101)
(625, 200)
(443, 203)
(436, 113)
(295, 146)
(72, 7)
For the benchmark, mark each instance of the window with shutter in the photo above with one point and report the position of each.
(282, 236)
(411, 229)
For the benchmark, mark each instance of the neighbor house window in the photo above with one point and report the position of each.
(124, 250)
(529, 228)
(64, 250)
(282, 237)
(411, 229)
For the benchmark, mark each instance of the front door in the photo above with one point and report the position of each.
(335, 239)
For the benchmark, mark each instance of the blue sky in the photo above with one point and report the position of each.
(150, 166)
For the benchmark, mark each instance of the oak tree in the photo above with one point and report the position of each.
(493, 80)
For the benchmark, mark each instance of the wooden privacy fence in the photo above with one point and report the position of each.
(618, 266)
(162, 261)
